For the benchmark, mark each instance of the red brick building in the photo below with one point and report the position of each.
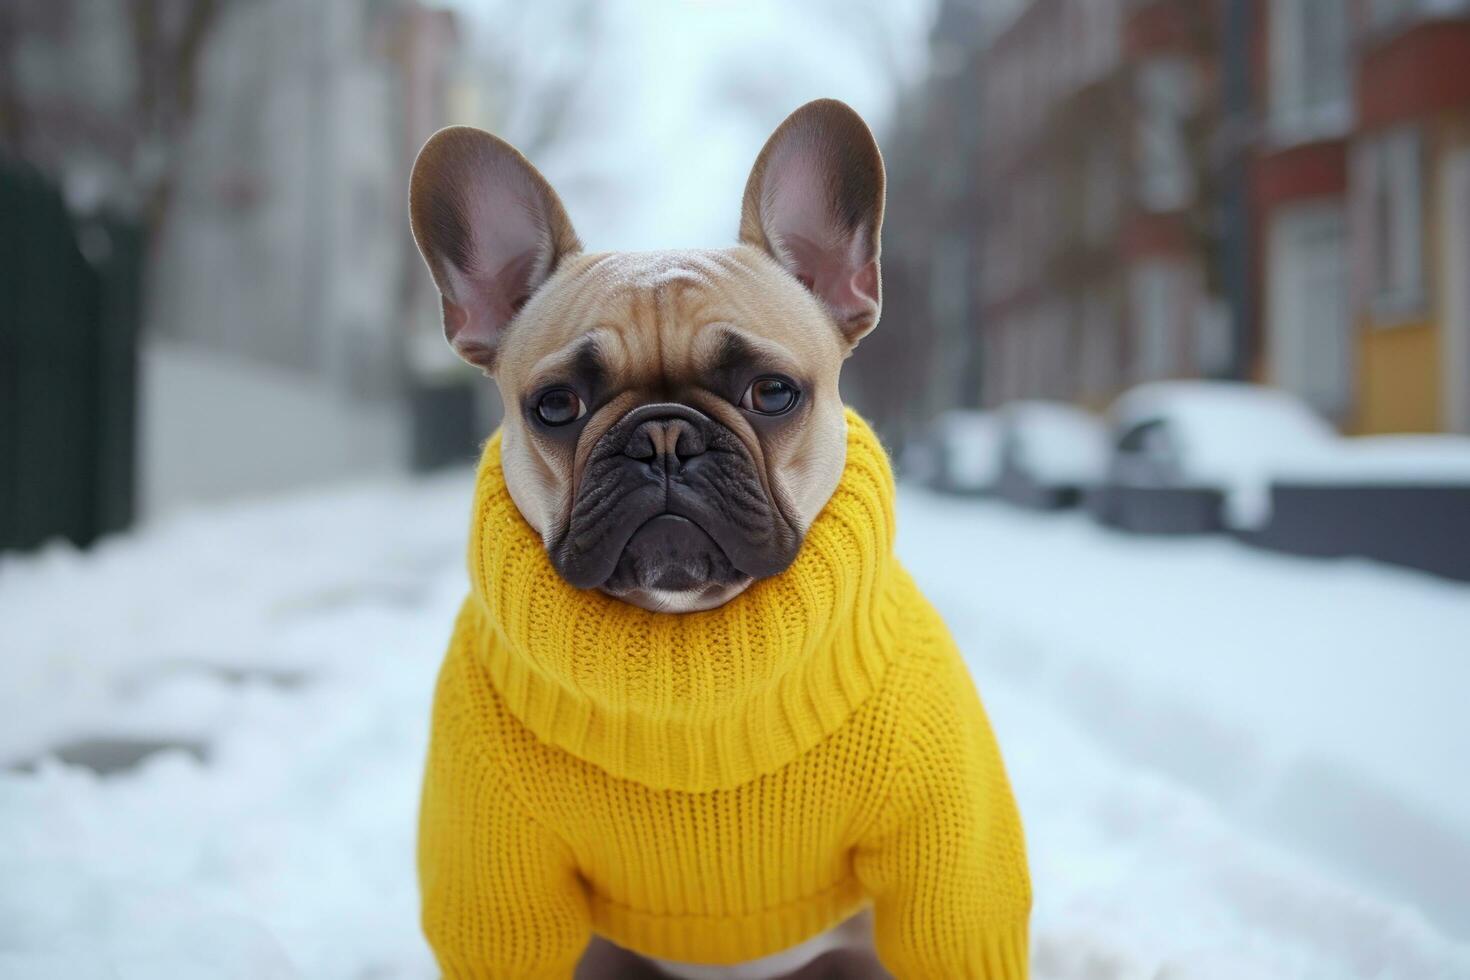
(1409, 187)
(1271, 189)
(1093, 268)
(1362, 199)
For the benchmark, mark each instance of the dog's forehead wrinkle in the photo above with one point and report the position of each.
(659, 302)
(653, 270)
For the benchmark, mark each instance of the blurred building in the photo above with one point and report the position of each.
(1409, 210)
(1267, 189)
(1099, 250)
(235, 175)
(1361, 196)
(925, 357)
(288, 305)
(86, 101)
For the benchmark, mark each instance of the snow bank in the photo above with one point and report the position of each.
(1392, 460)
(1137, 876)
(297, 640)
(217, 426)
(1317, 703)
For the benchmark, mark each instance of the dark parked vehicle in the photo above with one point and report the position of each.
(1398, 499)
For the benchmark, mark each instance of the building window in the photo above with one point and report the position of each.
(1099, 343)
(1311, 91)
(1214, 337)
(1012, 359)
(1382, 13)
(1391, 189)
(1166, 97)
(1101, 37)
(1161, 300)
(1309, 333)
(1054, 348)
(1101, 191)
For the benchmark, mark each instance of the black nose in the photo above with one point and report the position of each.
(666, 436)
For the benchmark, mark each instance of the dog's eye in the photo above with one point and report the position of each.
(769, 396)
(560, 406)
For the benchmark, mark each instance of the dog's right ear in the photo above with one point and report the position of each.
(491, 230)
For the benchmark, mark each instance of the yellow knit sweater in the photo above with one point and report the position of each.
(715, 787)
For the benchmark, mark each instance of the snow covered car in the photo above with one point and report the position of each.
(1192, 457)
(1050, 454)
(1398, 499)
(963, 452)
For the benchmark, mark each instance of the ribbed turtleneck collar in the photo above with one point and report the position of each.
(696, 701)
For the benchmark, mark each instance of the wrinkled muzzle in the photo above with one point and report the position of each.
(671, 500)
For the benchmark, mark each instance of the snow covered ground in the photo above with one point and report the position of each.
(1231, 764)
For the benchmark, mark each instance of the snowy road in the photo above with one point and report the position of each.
(1230, 764)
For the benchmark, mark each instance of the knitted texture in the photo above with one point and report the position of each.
(715, 787)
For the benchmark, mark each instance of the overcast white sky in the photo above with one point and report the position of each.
(657, 108)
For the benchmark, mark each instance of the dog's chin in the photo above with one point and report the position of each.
(671, 564)
(682, 601)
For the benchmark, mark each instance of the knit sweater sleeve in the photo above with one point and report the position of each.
(946, 862)
(500, 893)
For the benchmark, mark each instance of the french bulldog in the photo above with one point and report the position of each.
(672, 420)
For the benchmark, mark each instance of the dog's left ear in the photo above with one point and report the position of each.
(814, 203)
